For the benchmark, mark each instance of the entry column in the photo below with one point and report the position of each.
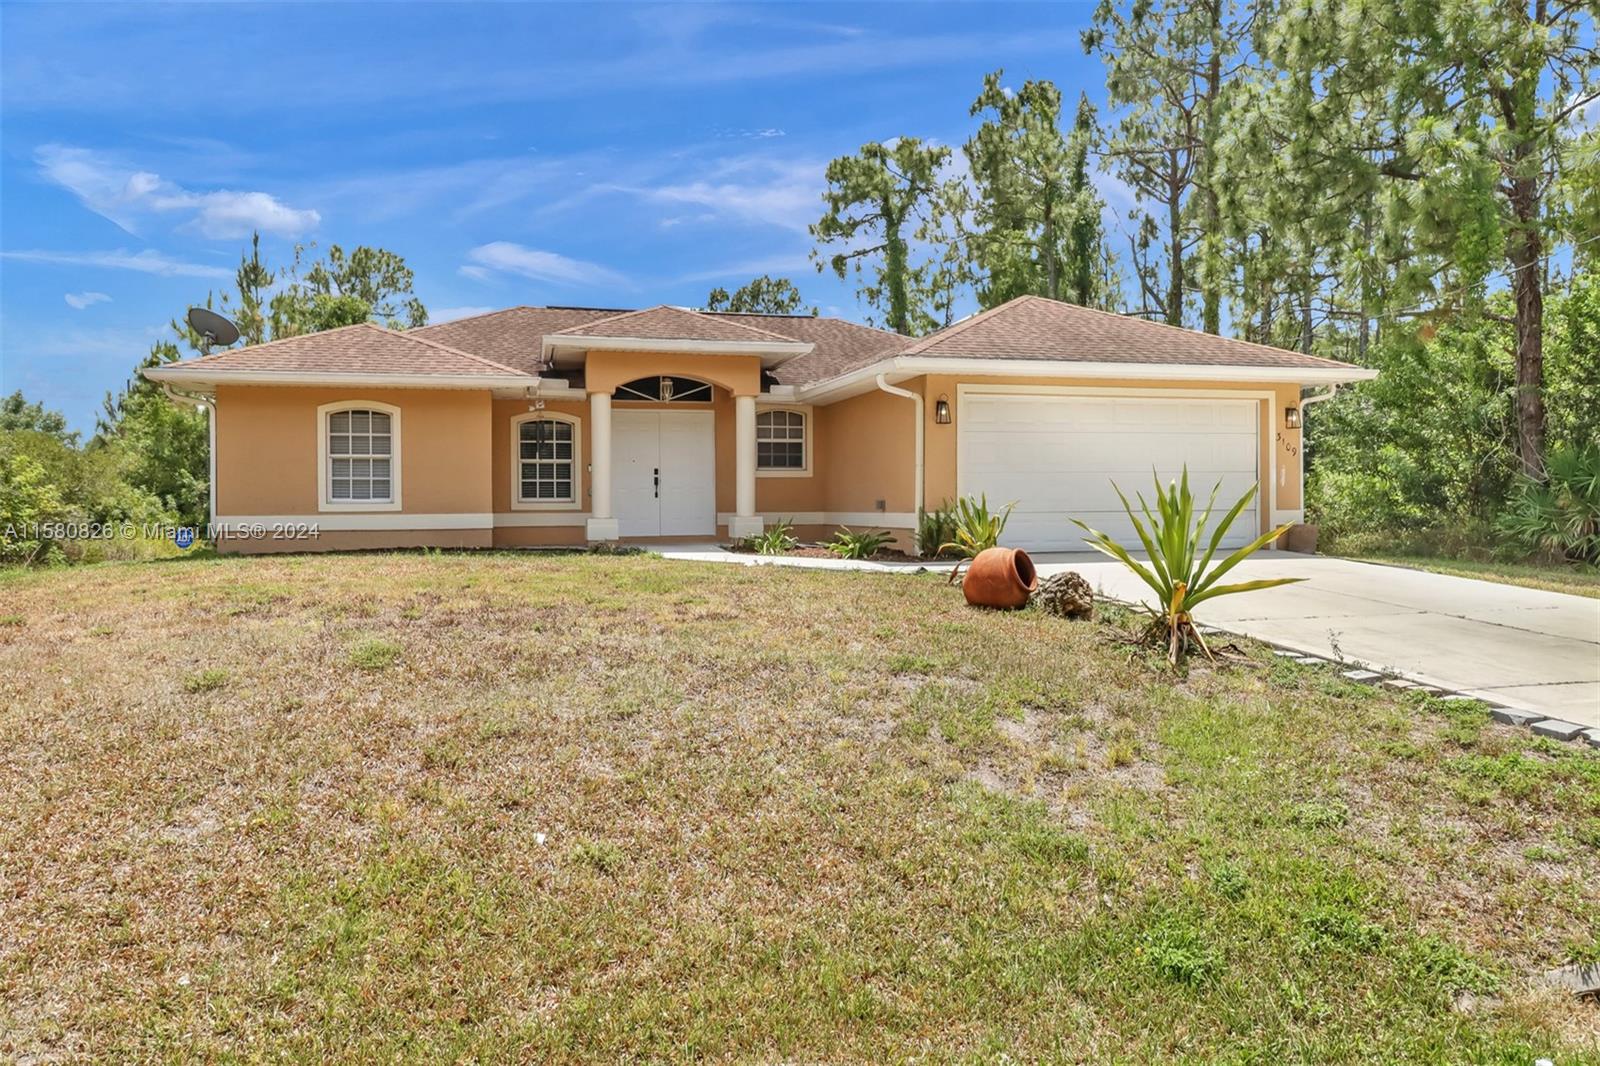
(745, 522)
(602, 525)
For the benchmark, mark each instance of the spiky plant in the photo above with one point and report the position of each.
(1172, 535)
(977, 528)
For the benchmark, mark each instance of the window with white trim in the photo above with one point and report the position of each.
(780, 440)
(545, 461)
(360, 456)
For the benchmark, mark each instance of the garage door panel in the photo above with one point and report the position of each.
(1057, 456)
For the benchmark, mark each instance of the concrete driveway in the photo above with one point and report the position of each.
(1521, 648)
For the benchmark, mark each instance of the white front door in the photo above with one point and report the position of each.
(663, 473)
(1057, 455)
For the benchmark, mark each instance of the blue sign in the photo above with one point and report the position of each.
(183, 537)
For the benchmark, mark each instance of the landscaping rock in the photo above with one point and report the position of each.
(1511, 716)
(1066, 595)
(1555, 727)
(1400, 683)
(1363, 676)
(1309, 660)
(1591, 737)
(1581, 979)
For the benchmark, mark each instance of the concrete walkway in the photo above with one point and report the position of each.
(1522, 648)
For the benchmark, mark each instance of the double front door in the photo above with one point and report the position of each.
(663, 473)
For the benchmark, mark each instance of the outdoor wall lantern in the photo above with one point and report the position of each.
(941, 410)
(1291, 417)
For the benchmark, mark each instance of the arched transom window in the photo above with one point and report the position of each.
(665, 389)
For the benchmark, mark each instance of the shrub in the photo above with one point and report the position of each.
(27, 501)
(977, 529)
(848, 544)
(778, 540)
(1559, 516)
(935, 529)
(1171, 535)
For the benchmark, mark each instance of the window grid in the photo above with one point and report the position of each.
(544, 461)
(360, 452)
(780, 440)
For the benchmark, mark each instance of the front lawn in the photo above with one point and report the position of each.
(513, 807)
(1554, 577)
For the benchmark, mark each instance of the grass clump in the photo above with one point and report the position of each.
(207, 680)
(374, 654)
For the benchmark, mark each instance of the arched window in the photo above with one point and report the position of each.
(544, 460)
(665, 389)
(781, 440)
(358, 449)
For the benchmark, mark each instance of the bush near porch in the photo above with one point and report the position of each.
(505, 806)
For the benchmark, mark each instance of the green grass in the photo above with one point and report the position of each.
(557, 808)
(1574, 580)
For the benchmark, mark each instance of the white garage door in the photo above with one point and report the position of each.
(1056, 456)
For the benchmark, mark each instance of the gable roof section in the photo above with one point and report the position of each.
(365, 351)
(666, 323)
(1037, 328)
(514, 336)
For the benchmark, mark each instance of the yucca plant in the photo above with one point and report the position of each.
(977, 528)
(848, 544)
(1172, 535)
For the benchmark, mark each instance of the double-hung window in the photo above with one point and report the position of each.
(781, 441)
(360, 461)
(546, 461)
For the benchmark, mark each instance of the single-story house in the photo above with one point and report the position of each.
(569, 425)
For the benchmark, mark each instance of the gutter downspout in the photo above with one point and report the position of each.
(180, 397)
(1306, 401)
(916, 401)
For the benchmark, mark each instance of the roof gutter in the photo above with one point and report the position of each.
(909, 366)
(919, 445)
(198, 376)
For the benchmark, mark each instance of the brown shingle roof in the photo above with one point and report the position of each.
(513, 336)
(360, 349)
(675, 323)
(840, 346)
(1034, 327)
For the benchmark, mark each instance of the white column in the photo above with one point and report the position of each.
(601, 526)
(745, 522)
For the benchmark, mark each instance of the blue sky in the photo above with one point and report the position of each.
(600, 154)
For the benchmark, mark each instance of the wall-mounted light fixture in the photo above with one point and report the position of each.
(1291, 417)
(941, 410)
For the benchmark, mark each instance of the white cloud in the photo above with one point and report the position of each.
(450, 314)
(127, 197)
(145, 262)
(80, 300)
(510, 258)
(753, 189)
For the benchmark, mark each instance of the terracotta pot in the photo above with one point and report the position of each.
(1000, 577)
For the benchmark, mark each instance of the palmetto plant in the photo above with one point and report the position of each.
(1559, 516)
(977, 528)
(1172, 535)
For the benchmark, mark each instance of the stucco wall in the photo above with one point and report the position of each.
(267, 449)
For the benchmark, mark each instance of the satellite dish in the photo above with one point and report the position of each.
(212, 327)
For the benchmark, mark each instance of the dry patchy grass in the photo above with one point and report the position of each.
(519, 807)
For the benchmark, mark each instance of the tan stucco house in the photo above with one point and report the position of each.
(568, 425)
